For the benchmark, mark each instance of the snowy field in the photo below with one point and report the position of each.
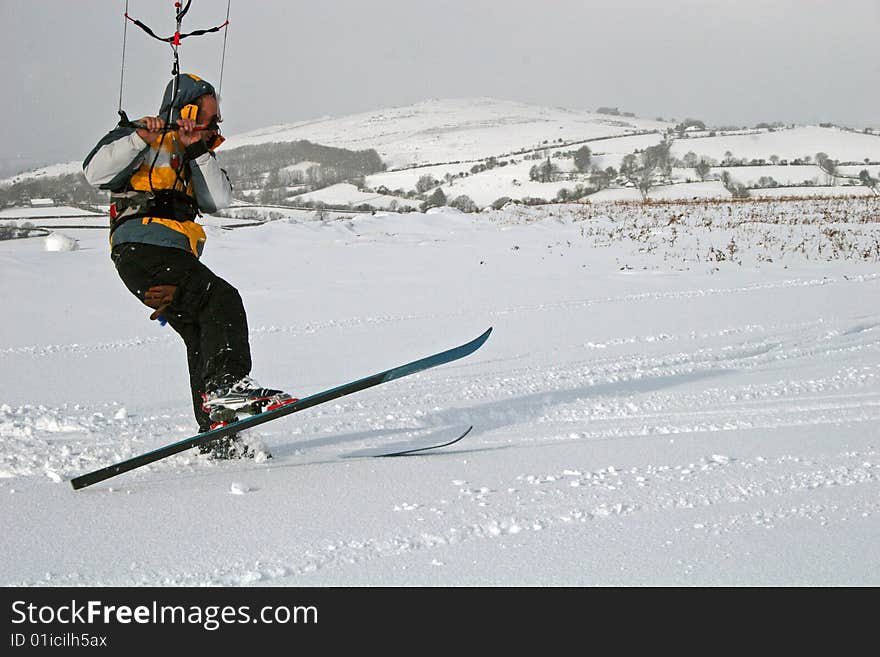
(654, 406)
(28, 213)
(802, 141)
(348, 194)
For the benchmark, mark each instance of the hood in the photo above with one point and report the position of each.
(191, 87)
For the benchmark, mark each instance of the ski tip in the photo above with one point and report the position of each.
(427, 449)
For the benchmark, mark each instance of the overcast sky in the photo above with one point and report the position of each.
(722, 61)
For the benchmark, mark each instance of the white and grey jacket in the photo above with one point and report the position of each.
(122, 162)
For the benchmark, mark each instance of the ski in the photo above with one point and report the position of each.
(416, 450)
(420, 365)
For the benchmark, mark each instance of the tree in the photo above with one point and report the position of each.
(269, 195)
(425, 183)
(544, 172)
(314, 175)
(868, 181)
(703, 168)
(642, 169)
(436, 199)
(321, 212)
(658, 157)
(464, 203)
(690, 159)
(582, 158)
(736, 189)
(628, 166)
(600, 179)
(690, 123)
(828, 167)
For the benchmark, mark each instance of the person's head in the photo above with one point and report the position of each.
(192, 90)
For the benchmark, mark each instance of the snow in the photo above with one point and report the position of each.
(784, 175)
(348, 194)
(449, 130)
(39, 213)
(512, 181)
(790, 143)
(679, 191)
(61, 169)
(819, 190)
(60, 242)
(644, 413)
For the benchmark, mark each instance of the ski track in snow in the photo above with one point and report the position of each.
(529, 503)
(606, 398)
(141, 342)
(599, 391)
(613, 397)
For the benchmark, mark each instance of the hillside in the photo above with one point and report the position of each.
(473, 153)
(457, 130)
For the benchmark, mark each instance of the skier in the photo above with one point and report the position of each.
(160, 180)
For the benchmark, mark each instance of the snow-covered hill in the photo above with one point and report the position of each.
(484, 149)
(800, 142)
(451, 130)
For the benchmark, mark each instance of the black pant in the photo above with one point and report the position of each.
(206, 312)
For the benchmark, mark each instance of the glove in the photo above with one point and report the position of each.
(159, 297)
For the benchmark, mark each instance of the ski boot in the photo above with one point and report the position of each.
(244, 398)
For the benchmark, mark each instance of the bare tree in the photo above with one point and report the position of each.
(425, 183)
(736, 189)
(600, 179)
(544, 172)
(869, 182)
(703, 168)
(642, 170)
(828, 167)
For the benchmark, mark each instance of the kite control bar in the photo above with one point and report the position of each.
(172, 127)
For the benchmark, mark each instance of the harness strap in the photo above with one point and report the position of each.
(161, 203)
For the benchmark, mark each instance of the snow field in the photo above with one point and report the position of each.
(642, 414)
